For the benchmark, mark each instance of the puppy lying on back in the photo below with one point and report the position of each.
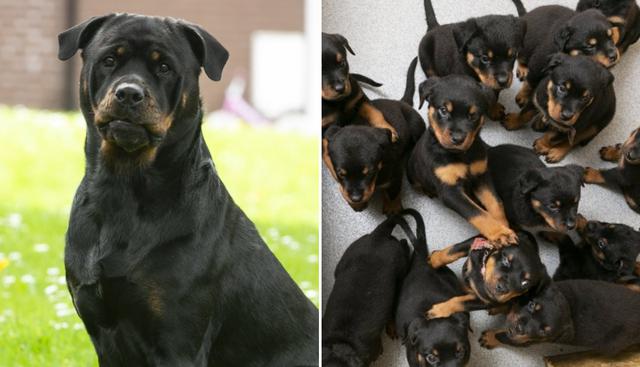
(361, 303)
(535, 197)
(624, 16)
(342, 98)
(626, 176)
(438, 342)
(587, 313)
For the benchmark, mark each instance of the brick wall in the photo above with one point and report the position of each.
(31, 74)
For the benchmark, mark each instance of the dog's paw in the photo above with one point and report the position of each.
(592, 176)
(503, 236)
(488, 339)
(394, 135)
(438, 311)
(555, 155)
(610, 153)
(512, 121)
(497, 112)
(541, 147)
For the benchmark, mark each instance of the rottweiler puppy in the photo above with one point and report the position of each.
(587, 313)
(437, 342)
(607, 252)
(450, 160)
(624, 16)
(626, 176)
(164, 269)
(536, 197)
(492, 276)
(361, 158)
(361, 303)
(484, 48)
(342, 97)
(574, 102)
(552, 29)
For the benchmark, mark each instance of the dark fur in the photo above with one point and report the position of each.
(623, 14)
(520, 178)
(587, 313)
(164, 269)
(423, 287)
(361, 303)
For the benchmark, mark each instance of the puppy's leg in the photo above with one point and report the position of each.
(392, 203)
(522, 71)
(609, 177)
(633, 203)
(611, 153)
(542, 145)
(497, 111)
(450, 254)
(468, 302)
(494, 338)
(376, 119)
(329, 119)
(524, 95)
(486, 193)
(327, 159)
(515, 121)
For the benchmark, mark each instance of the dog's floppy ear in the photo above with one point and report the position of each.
(211, 54)
(79, 36)
(553, 61)
(412, 332)
(521, 27)
(331, 132)
(383, 136)
(343, 41)
(605, 76)
(425, 89)
(464, 32)
(560, 39)
(529, 181)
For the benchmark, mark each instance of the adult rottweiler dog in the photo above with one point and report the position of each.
(163, 267)
(626, 176)
(492, 276)
(437, 342)
(361, 303)
(484, 48)
(450, 159)
(587, 313)
(536, 197)
(342, 97)
(624, 16)
(573, 102)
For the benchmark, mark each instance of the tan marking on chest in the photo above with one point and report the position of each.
(452, 173)
(478, 167)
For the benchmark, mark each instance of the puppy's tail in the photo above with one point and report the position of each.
(410, 88)
(432, 22)
(520, 7)
(419, 241)
(365, 79)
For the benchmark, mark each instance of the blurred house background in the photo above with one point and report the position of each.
(270, 43)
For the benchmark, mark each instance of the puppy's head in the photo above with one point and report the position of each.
(354, 155)
(554, 193)
(439, 342)
(614, 246)
(616, 11)
(631, 148)
(139, 75)
(572, 85)
(335, 68)
(543, 317)
(490, 46)
(514, 270)
(458, 106)
(589, 33)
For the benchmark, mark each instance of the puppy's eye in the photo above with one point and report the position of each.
(561, 89)
(553, 207)
(484, 59)
(602, 243)
(531, 306)
(620, 264)
(109, 61)
(443, 111)
(586, 97)
(432, 359)
(473, 116)
(596, 3)
(505, 261)
(163, 68)
(524, 283)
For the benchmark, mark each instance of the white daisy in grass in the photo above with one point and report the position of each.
(62, 280)
(14, 220)
(50, 289)
(41, 247)
(291, 243)
(15, 256)
(8, 280)
(311, 293)
(273, 232)
(53, 271)
(28, 279)
(78, 326)
(305, 284)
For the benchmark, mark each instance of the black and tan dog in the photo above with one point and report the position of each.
(163, 267)
(626, 176)
(574, 102)
(362, 158)
(342, 97)
(492, 276)
(607, 252)
(362, 301)
(536, 197)
(450, 160)
(484, 48)
(552, 29)
(438, 342)
(624, 16)
(587, 313)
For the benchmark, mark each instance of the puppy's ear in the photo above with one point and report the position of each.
(464, 32)
(605, 76)
(529, 181)
(576, 171)
(211, 54)
(521, 27)
(331, 132)
(342, 41)
(383, 136)
(79, 36)
(560, 39)
(412, 332)
(554, 61)
(425, 90)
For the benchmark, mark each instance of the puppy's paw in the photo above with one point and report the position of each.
(497, 112)
(541, 147)
(540, 123)
(512, 122)
(522, 72)
(610, 153)
(391, 206)
(556, 154)
(488, 339)
(502, 237)
(592, 176)
(438, 311)
(394, 135)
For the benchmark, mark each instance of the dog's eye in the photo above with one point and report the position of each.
(505, 261)
(561, 89)
(531, 306)
(432, 359)
(443, 111)
(484, 59)
(596, 3)
(620, 264)
(473, 116)
(163, 68)
(553, 207)
(586, 97)
(602, 243)
(109, 61)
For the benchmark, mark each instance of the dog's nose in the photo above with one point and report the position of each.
(458, 137)
(571, 223)
(502, 79)
(129, 94)
(339, 87)
(613, 55)
(356, 197)
(567, 115)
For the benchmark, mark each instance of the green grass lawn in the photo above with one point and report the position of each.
(272, 175)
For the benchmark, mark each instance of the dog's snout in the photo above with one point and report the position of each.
(339, 86)
(502, 79)
(570, 223)
(613, 55)
(356, 197)
(129, 94)
(567, 115)
(458, 137)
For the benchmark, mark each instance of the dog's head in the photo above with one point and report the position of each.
(616, 11)
(572, 85)
(354, 156)
(589, 33)
(554, 194)
(335, 68)
(490, 46)
(614, 246)
(139, 76)
(458, 107)
(439, 342)
(631, 148)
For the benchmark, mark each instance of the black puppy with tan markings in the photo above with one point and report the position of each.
(163, 267)
(624, 16)
(342, 97)
(450, 160)
(626, 176)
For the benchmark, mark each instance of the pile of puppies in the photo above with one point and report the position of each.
(506, 192)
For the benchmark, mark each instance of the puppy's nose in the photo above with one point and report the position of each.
(571, 223)
(458, 137)
(501, 288)
(567, 115)
(339, 87)
(356, 197)
(613, 55)
(129, 94)
(503, 79)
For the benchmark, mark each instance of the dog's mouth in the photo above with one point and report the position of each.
(127, 135)
(632, 158)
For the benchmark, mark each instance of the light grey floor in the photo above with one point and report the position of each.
(384, 35)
